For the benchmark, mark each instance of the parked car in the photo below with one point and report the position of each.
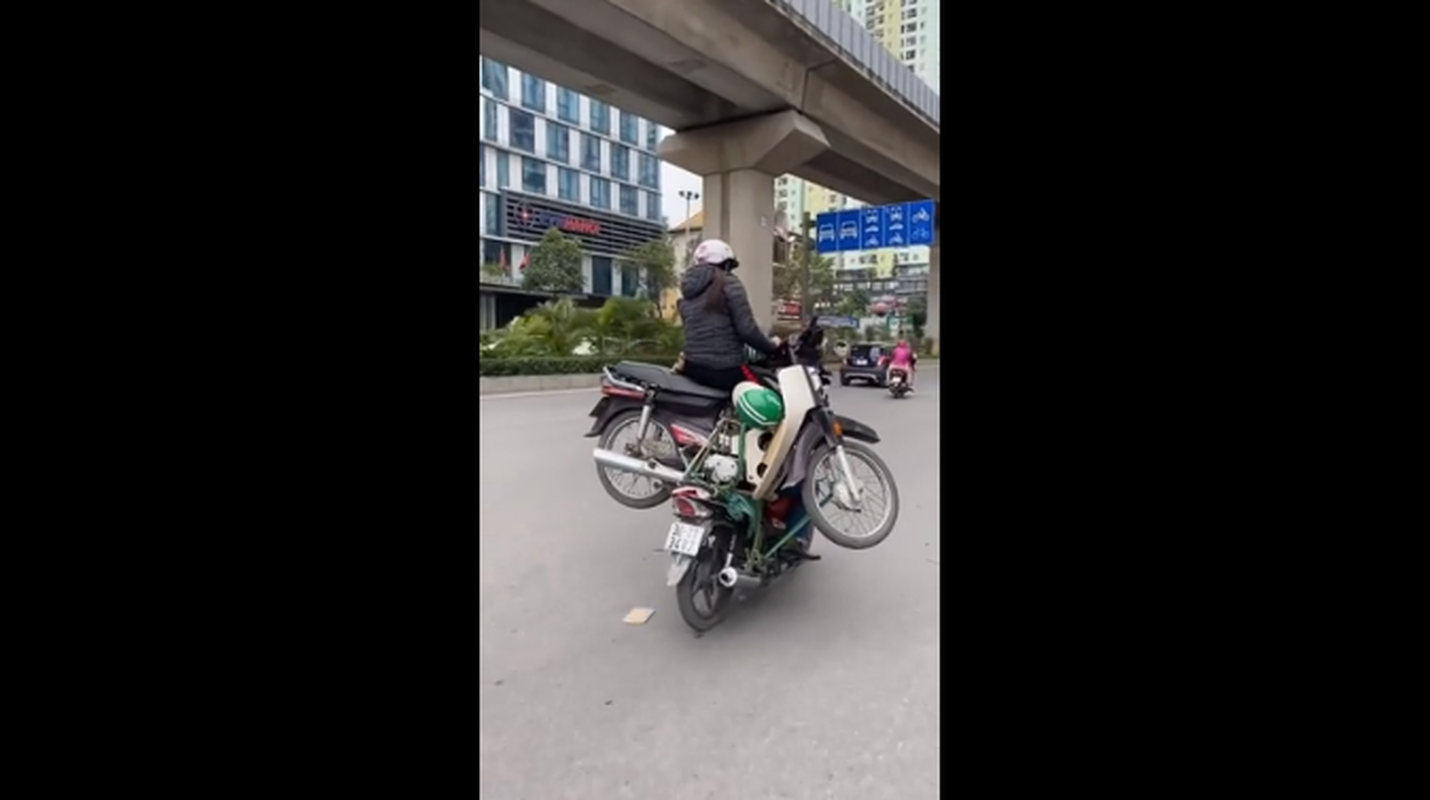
(866, 362)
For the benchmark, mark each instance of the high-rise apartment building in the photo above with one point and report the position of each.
(910, 30)
(550, 157)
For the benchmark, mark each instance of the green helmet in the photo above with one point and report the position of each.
(757, 406)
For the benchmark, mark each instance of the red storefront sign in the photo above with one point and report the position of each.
(564, 222)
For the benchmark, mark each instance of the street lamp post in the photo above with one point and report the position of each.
(687, 195)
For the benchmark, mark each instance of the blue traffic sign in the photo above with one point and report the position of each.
(875, 227)
(830, 321)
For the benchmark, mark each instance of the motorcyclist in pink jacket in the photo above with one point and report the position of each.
(903, 358)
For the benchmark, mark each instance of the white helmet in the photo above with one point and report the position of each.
(715, 253)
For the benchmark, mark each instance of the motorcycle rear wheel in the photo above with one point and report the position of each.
(656, 433)
(700, 581)
(825, 473)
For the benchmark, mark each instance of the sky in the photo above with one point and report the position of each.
(672, 180)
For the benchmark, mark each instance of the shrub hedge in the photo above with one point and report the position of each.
(494, 367)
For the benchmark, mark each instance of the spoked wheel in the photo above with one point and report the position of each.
(857, 516)
(702, 600)
(627, 488)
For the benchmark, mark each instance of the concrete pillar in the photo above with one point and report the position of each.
(931, 329)
(739, 162)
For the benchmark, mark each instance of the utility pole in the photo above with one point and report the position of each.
(806, 257)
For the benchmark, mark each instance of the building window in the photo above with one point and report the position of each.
(533, 93)
(523, 130)
(601, 275)
(503, 169)
(600, 192)
(494, 252)
(652, 136)
(620, 162)
(630, 200)
(533, 176)
(558, 142)
(630, 280)
(590, 153)
(652, 206)
(568, 106)
(481, 167)
(630, 128)
(492, 224)
(649, 171)
(494, 78)
(568, 185)
(489, 120)
(600, 117)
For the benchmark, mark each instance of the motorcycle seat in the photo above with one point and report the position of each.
(664, 379)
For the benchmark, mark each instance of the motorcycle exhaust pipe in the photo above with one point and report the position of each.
(732, 578)
(649, 468)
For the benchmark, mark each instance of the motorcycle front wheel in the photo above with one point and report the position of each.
(628, 489)
(855, 517)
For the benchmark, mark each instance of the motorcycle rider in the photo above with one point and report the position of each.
(718, 320)
(719, 323)
(903, 358)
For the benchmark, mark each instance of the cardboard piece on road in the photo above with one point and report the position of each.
(638, 616)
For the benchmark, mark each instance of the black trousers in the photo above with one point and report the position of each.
(725, 378)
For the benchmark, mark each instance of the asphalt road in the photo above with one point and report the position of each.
(825, 685)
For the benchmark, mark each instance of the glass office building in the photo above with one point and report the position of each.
(550, 157)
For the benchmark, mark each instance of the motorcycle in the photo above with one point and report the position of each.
(671, 416)
(899, 383)
(729, 471)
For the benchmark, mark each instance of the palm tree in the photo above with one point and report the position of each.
(562, 324)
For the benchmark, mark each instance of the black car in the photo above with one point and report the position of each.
(866, 362)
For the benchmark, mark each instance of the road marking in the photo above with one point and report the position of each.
(548, 393)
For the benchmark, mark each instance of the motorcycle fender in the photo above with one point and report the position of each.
(678, 565)
(857, 430)
(606, 408)
(799, 460)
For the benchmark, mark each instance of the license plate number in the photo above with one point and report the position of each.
(859, 362)
(685, 538)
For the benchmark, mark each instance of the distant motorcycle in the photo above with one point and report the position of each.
(899, 383)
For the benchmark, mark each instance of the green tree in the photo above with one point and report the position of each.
(656, 261)
(554, 265)
(918, 313)
(855, 304)
(789, 278)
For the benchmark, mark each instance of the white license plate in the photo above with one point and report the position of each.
(685, 538)
(859, 362)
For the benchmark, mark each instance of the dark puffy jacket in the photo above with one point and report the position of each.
(713, 339)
